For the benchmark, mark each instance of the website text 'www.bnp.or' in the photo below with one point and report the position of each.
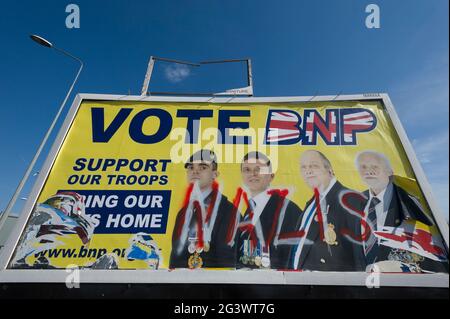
(82, 252)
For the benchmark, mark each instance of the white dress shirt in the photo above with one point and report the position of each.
(206, 193)
(380, 208)
(258, 203)
(324, 193)
(307, 221)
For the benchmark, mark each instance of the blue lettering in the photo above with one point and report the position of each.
(193, 117)
(99, 134)
(165, 126)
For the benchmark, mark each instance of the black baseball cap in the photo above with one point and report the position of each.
(206, 156)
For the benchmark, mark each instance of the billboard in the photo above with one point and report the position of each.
(254, 184)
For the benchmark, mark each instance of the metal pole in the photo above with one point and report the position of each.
(250, 75)
(224, 61)
(25, 177)
(148, 76)
(176, 61)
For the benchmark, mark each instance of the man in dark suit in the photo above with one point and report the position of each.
(325, 221)
(389, 205)
(269, 214)
(201, 226)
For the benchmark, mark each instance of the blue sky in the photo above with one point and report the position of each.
(297, 48)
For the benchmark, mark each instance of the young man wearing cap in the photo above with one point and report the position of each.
(269, 215)
(201, 226)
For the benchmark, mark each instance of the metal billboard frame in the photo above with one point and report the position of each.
(247, 91)
(223, 276)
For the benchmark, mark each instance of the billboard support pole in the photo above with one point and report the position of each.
(148, 76)
(250, 74)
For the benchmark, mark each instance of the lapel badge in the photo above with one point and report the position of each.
(330, 235)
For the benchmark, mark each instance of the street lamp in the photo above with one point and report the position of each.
(19, 188)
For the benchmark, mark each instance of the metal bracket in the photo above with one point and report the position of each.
(245, 91)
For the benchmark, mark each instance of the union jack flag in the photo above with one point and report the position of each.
(414, 237)
(283, 126)
(315, 123)
(353, 122)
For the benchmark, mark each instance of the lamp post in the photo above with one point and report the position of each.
(19, 188)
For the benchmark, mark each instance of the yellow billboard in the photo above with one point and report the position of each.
(298, 186)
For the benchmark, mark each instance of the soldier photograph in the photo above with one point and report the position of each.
(387, 204)
(323, 246)
(199, 234)
(269, 213)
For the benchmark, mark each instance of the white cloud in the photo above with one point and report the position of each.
(177, 73)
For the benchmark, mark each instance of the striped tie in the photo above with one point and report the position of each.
(371, 246)
(253, 203)
(245, 249)
(247, 219)
(250, 208)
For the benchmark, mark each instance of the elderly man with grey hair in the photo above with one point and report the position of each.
(387, 205)
(325, 214)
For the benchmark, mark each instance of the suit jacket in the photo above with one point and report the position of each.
(346, 255)
(220, 254)
(279, 254)
(404, 206)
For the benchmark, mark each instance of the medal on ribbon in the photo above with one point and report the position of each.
(246, 255)
(195, 261)
(265, 259)
(206, 247)
(200, 237)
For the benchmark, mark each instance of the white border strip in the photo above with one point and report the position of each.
(281, 99)
(201, 276)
